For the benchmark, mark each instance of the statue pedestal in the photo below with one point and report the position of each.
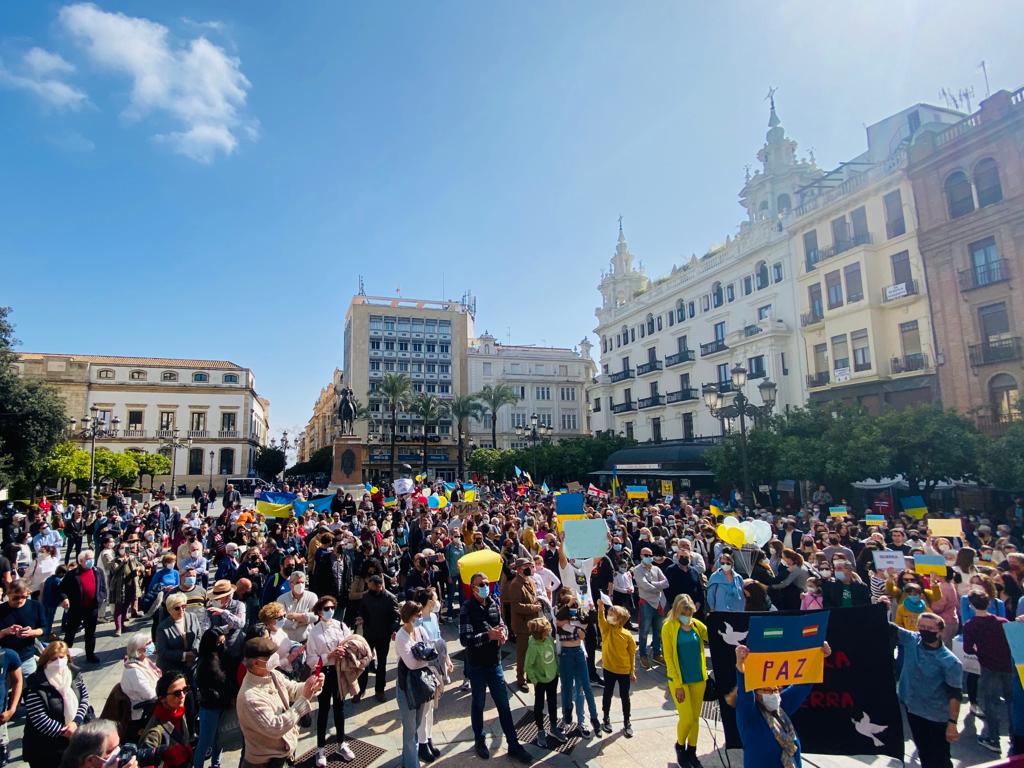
(348, 459)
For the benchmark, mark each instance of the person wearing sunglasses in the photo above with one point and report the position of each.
(166, 740)
(177, 637)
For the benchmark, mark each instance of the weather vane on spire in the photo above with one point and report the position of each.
(620, 223)
(771, 96)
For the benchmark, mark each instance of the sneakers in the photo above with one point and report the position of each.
(465, 687)
(557, 735)
(597, 682)
(606, 726)
(992, 745)
(321, 758)
(645, 662)
(523, 687)
(345, 752)
(583, 730)
(541, 741)
(627, 729)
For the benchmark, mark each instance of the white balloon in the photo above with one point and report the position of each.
(762, 532)
(729, 521)
(749, 530)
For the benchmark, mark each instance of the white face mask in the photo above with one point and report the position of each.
(771, 701)
(298, 589)
(274, 661)
(60, 663)
(726, 568)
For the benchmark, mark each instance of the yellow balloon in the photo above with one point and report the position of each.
(485, 561)
(735, 536)
(442, 502)
(721, 531)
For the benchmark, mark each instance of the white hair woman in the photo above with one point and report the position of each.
(138, 679)
(177, 637)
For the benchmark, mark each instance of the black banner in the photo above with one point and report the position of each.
(855, 710)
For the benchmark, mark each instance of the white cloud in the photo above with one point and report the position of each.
(43, 73)
(197, 83)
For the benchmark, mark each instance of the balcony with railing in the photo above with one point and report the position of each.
(682, 396)
(686, 356)
(134, 434)
(898, 291)
(842, 246)
(713, 347)
(625, 373)
(819, 379)
(980, 275)
(812, 318)
(909, 363)
(997, 351)
(752, 330)
(651, 402)
(228, 433)
(996, 425)
(198, 434)
(164, 433)
(652, 366)
(625, 407)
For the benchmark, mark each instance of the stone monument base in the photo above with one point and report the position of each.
(348, 459)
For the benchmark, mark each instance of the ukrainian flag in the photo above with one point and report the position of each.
(636, 491)
(469, 496)
(874, 519)
(935, 564)
(269, 509)
(1015, 639)
(914, 506)
(716, 508)
(390, 501)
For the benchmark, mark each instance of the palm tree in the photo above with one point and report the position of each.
(395, 389)
(430, 410)
(494, 398)
(464, 407)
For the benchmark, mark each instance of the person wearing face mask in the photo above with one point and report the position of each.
(524, 605)
(125, 585)
(97, 744)
(684, 639)
(378, 617)
(725, 587)
(929, 687)
(763, 719)
(322, 649)
(430, 629)
(138, 680)
(227, 568)
(56, 703)
(84, 590)
(298, 605)
(215, 689)
(651, 584)
(229, 614)
(845, 589)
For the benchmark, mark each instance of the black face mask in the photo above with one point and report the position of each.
(527, 571)
(928, 636)
(288, 570)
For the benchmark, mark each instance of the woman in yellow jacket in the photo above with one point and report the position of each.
(682, 640)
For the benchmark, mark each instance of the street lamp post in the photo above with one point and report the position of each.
(173, 443)
(93, 427)
(535, 434)
(741, 407)
(211, 469)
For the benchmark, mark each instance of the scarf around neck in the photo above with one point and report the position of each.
(63, 681)
(785, 734)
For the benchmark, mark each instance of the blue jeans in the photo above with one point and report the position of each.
(650, 619)
(575, 680)
(480, 680)
(209, 720)
(412, 719)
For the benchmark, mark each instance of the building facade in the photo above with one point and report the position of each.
(320, 429)
(550, 382)
(662, 342)
(864, 312)
(968, 180)
(425, 339)
(212, 403)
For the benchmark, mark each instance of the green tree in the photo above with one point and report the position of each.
(763, 444)
(929, 445)
(65, 463)
(462, 408)
(430, 410)
(395, 390)
(495, 397)
(487, 461)
(119, 468)
(1002, 460)
(320, 463)
(32, 417)
(152, 464)
(269, 462)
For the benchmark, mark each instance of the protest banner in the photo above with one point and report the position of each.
(561, 520)
(569, 504)
(859, 685)
(875, 520)
(951, 528)
(886, 559)
(1015, 639)
(585, 538)
(785, 650)
(934, 564)
(666, 487)
(573, 487)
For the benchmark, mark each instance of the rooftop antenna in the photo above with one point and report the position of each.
(958, 100)
(508, 334)
(362, 288)
(984, 71)
(771, 96)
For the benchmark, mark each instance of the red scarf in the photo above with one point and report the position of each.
(177, 754)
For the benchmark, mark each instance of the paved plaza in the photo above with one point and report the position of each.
(653, 717)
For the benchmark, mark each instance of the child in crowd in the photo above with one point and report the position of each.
(541, 668)
(911, 607)
(623, 588)
(811, 599)
(618, 658)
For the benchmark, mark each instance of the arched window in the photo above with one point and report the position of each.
(716, 295)
(1005, 397)
(195, 461)
(227, 461)
(763, 211)
(783, 204)
(680, 310)
(650, 323)
(959, 198)
(761, 274)
(105, 373)
(986, 183)
(200, 377)
(168, 376)
(604, 345)
(230, 378)
(137, 375)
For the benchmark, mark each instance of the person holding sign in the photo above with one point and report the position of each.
(683, 639)
(763, 719)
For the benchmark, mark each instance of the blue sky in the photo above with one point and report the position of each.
(209, 179)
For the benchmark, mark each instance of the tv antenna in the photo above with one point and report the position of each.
(958, 100)
(362, 288)
(984, 71)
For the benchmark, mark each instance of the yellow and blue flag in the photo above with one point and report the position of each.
(914, 506)
(544, 488)
(785, 650)
(519, 472)
(636, 491)
(269, 509)
(838, 511)
(935, 564)
(1015, 639)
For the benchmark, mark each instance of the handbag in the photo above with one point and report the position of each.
(358, 587)
(154, 604)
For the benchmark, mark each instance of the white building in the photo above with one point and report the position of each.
(549, 381)
(661, 342)
(212, 403)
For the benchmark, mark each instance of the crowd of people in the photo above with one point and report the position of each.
(236, 620)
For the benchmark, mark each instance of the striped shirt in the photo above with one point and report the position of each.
(38, 715)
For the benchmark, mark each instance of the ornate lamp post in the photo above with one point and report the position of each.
(741, 407)
(211, 468)
(535, 434)
(92, 428)
(173, 443)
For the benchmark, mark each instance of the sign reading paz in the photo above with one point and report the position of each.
(785, 650)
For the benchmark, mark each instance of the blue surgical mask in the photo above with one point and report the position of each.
(617, 547)
(89, 563)
(483, 591)
(648, 560)
(327, 613)
(150, 649)
(190, 581)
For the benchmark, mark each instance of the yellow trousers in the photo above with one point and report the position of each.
(689, 712)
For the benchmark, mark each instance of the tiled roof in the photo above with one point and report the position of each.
(156, 362)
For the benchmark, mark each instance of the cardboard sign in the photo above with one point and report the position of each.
(666, 487)
(785, 650)
(875, 520)
(935, 564)
(573, 487)
(886, 559)
(1015, 639)
(585, 538)
(949, 528)
(837, 511)
(568, 504)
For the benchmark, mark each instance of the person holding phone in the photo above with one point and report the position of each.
(322, 651)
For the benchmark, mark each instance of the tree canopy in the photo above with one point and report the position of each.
(269, 462)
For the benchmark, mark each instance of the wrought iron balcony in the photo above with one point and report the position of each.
(622, 375)
(909, 363)
(811, 318)
(752, 330)
(651, 402)
(686, 356)
(649, 367)
(898, 291)
(683, 395)
(713, 347)
(981, 275)
(842, 246)
(625, 407)
(818, 379)
(998, 351)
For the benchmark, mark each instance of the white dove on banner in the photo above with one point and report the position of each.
(865, 727)
(731, 636)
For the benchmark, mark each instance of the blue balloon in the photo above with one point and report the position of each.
(433, 502)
